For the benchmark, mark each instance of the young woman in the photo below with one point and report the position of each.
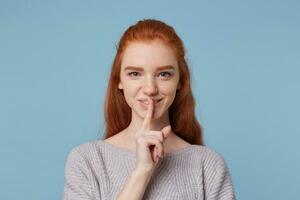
(153, 146)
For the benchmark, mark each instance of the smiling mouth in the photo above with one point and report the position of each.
(145, 102)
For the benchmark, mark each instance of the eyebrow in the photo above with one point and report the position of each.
(141, 68)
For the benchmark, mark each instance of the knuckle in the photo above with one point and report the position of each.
(159, 144)
(160, 136)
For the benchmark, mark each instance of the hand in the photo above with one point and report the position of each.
(149, 144)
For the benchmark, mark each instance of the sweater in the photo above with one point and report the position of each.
(97, 170)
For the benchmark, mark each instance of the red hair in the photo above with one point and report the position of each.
(182, 111)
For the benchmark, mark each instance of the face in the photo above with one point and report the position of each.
(149, 70)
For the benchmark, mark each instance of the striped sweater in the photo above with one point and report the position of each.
(97, 170)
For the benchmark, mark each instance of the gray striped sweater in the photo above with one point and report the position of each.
(97, 171)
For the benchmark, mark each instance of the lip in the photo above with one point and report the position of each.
(142, 101)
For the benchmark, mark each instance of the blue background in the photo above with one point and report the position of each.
(245, 63)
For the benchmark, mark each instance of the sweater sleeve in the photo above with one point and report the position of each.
(220, 186)
(77, 183)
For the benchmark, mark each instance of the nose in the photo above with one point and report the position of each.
(150, 87)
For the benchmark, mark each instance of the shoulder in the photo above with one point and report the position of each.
(209, 158)
(80, 175)
(84, 152)
(214, 174)
(85, 148)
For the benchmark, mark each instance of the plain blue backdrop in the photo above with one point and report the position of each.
(55, 58)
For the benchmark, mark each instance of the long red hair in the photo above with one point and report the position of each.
(182, 117)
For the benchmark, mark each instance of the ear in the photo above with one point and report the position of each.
(120, 86)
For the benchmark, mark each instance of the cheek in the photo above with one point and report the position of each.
(130, 93)
(171, 98)
(168, 90)
(170, 94)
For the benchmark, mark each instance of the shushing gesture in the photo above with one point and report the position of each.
(149, 144)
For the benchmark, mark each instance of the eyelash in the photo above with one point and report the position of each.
(169, 74)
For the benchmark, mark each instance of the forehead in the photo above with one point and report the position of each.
(148, 55)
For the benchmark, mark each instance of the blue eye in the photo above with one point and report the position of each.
(162, 74)
(133, 73)
(166, 74)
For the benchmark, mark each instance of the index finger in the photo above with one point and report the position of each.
(148, 117)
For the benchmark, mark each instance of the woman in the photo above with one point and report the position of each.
(153, 146)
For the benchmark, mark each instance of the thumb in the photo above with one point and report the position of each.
(166, 131)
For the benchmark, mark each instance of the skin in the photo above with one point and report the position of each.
(142, 77)
(149, 134)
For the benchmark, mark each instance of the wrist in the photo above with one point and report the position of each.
(143, 170)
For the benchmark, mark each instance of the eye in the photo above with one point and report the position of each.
(133, 74)
(165, 74)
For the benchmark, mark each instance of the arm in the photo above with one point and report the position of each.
(77, 185)
(220, 186)
(135, 185)
(146, 159)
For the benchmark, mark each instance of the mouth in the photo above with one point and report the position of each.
(146, 103)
